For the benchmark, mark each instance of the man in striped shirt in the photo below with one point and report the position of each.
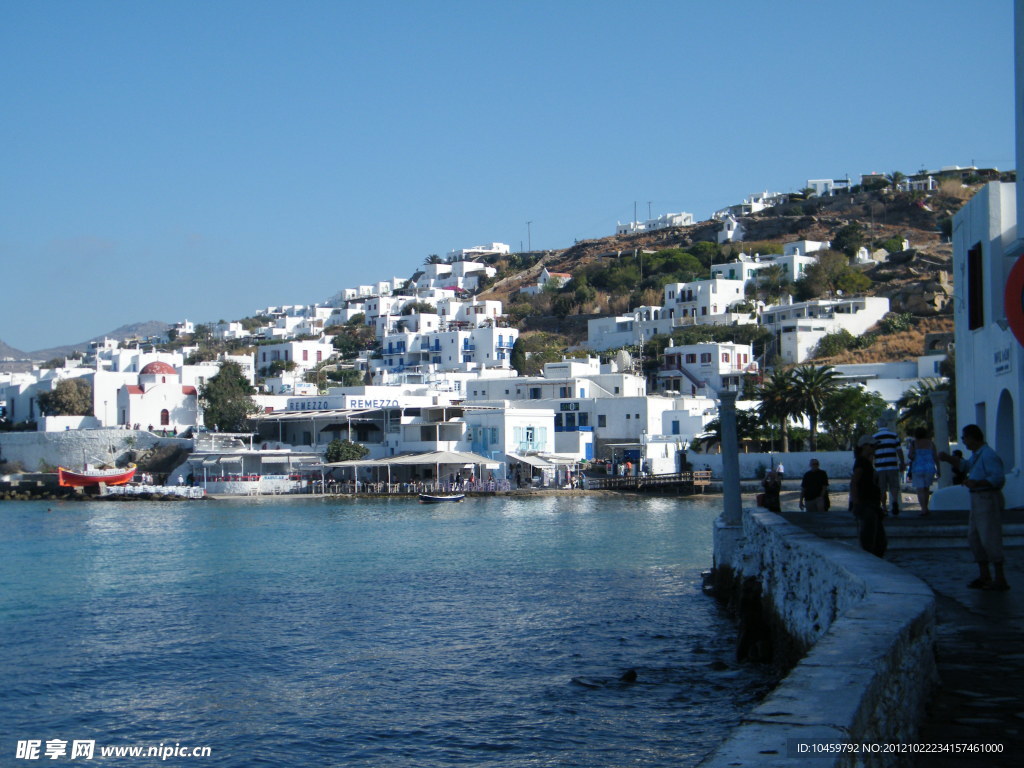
(889, 464)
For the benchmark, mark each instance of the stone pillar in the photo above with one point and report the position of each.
(940, 428)
(732, 511)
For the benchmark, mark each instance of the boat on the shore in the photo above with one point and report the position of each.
(440, 498)
(71, 478)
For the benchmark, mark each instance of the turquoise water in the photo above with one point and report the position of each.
(369, 633)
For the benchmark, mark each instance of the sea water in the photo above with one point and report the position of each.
(336, 632)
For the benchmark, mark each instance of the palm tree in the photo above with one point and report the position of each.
(895, 179)
(915, 405)
(777, 402)
(813, 385)
(748, 429)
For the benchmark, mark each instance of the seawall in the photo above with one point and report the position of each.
(868, 629)
(43, 451)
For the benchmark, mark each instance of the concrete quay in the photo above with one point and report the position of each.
(979, 636)
(899, 652)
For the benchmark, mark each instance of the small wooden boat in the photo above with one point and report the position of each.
(438, 498)
(71, 478)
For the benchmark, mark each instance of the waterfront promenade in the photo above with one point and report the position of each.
(979, 637)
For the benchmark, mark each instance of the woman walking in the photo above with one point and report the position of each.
(866, 498)
(922, 467)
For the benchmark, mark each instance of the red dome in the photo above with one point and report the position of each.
(158, 367)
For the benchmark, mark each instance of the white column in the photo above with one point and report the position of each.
(732, 502)
(940, 428)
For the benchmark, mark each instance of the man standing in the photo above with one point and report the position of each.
(984, 477)
(814, 488)
(889, 465)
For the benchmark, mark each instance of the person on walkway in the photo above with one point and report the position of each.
(922, 467)
(889, 465)
(814, 489)
(780, 471)
(985, 478)
(866, 498)
(772, 489)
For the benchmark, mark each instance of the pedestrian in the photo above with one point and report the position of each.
(889, 465)
(814, 489)
(958, 473)
(780, 471)
(772, 489)
(866, 498)
(922, 457)
(984, 477)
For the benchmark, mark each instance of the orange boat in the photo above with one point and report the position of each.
(70, 478)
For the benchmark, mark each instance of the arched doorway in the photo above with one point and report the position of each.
(1005, 442)
(165, 418)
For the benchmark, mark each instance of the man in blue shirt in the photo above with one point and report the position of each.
(984, 478)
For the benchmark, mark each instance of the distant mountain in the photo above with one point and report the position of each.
(8, 351)
(132, 331)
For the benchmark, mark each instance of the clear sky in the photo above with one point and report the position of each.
(203, 160)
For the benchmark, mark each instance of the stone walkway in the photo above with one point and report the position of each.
(979, 637)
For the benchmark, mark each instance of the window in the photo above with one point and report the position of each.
(703, 310)
(565, 391)
(584, 419)
(165, 418)
(535, 393)
(705, 357)
(616, 390)
(305, 355)
(975, 289)
(627, 417)
(725, 357)
(675, 427)
(691, 358)
(602, 420)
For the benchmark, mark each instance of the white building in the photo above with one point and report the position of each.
(988, 314)
(554, 279)
(436, 350)
(158, 401)
(829, 187)
(490, 249)
(799, 327)
(665, 221)
(305, 354)
(891, 380)
(752, 204)
(704, 301)
(704, 369)
(629, 330)
(746, 267)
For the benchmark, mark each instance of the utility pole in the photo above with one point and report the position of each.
(529, 237)
(649, 214)
(634, 216)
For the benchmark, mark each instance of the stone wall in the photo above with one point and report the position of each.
(869, 628)
(42, 451)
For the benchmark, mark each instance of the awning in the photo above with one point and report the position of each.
(422, 459)
(533, 461)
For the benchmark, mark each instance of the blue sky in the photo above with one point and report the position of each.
(204, 160)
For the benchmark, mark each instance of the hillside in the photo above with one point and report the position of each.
(131, 331)
(917, 282)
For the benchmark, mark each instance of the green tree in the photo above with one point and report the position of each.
(518, 357)
(915, 405)
(748, 429)
(849, 239)
(69, 397)
(831, 273)
(895, 179)
(778, 402)
(226, 399)
(813, 385)
(419, 307)
(345, 450)
(848, 412)
(833, 343)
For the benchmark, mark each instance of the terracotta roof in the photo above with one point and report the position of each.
(188, 390)
(134, 389)
(158, 367)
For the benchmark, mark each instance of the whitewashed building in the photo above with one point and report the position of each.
(665, 221)
(891, 380)
(704, 301)
(704, 369)
(490, 249)
(798, 327)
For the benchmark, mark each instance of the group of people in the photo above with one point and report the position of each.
(875, 491)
